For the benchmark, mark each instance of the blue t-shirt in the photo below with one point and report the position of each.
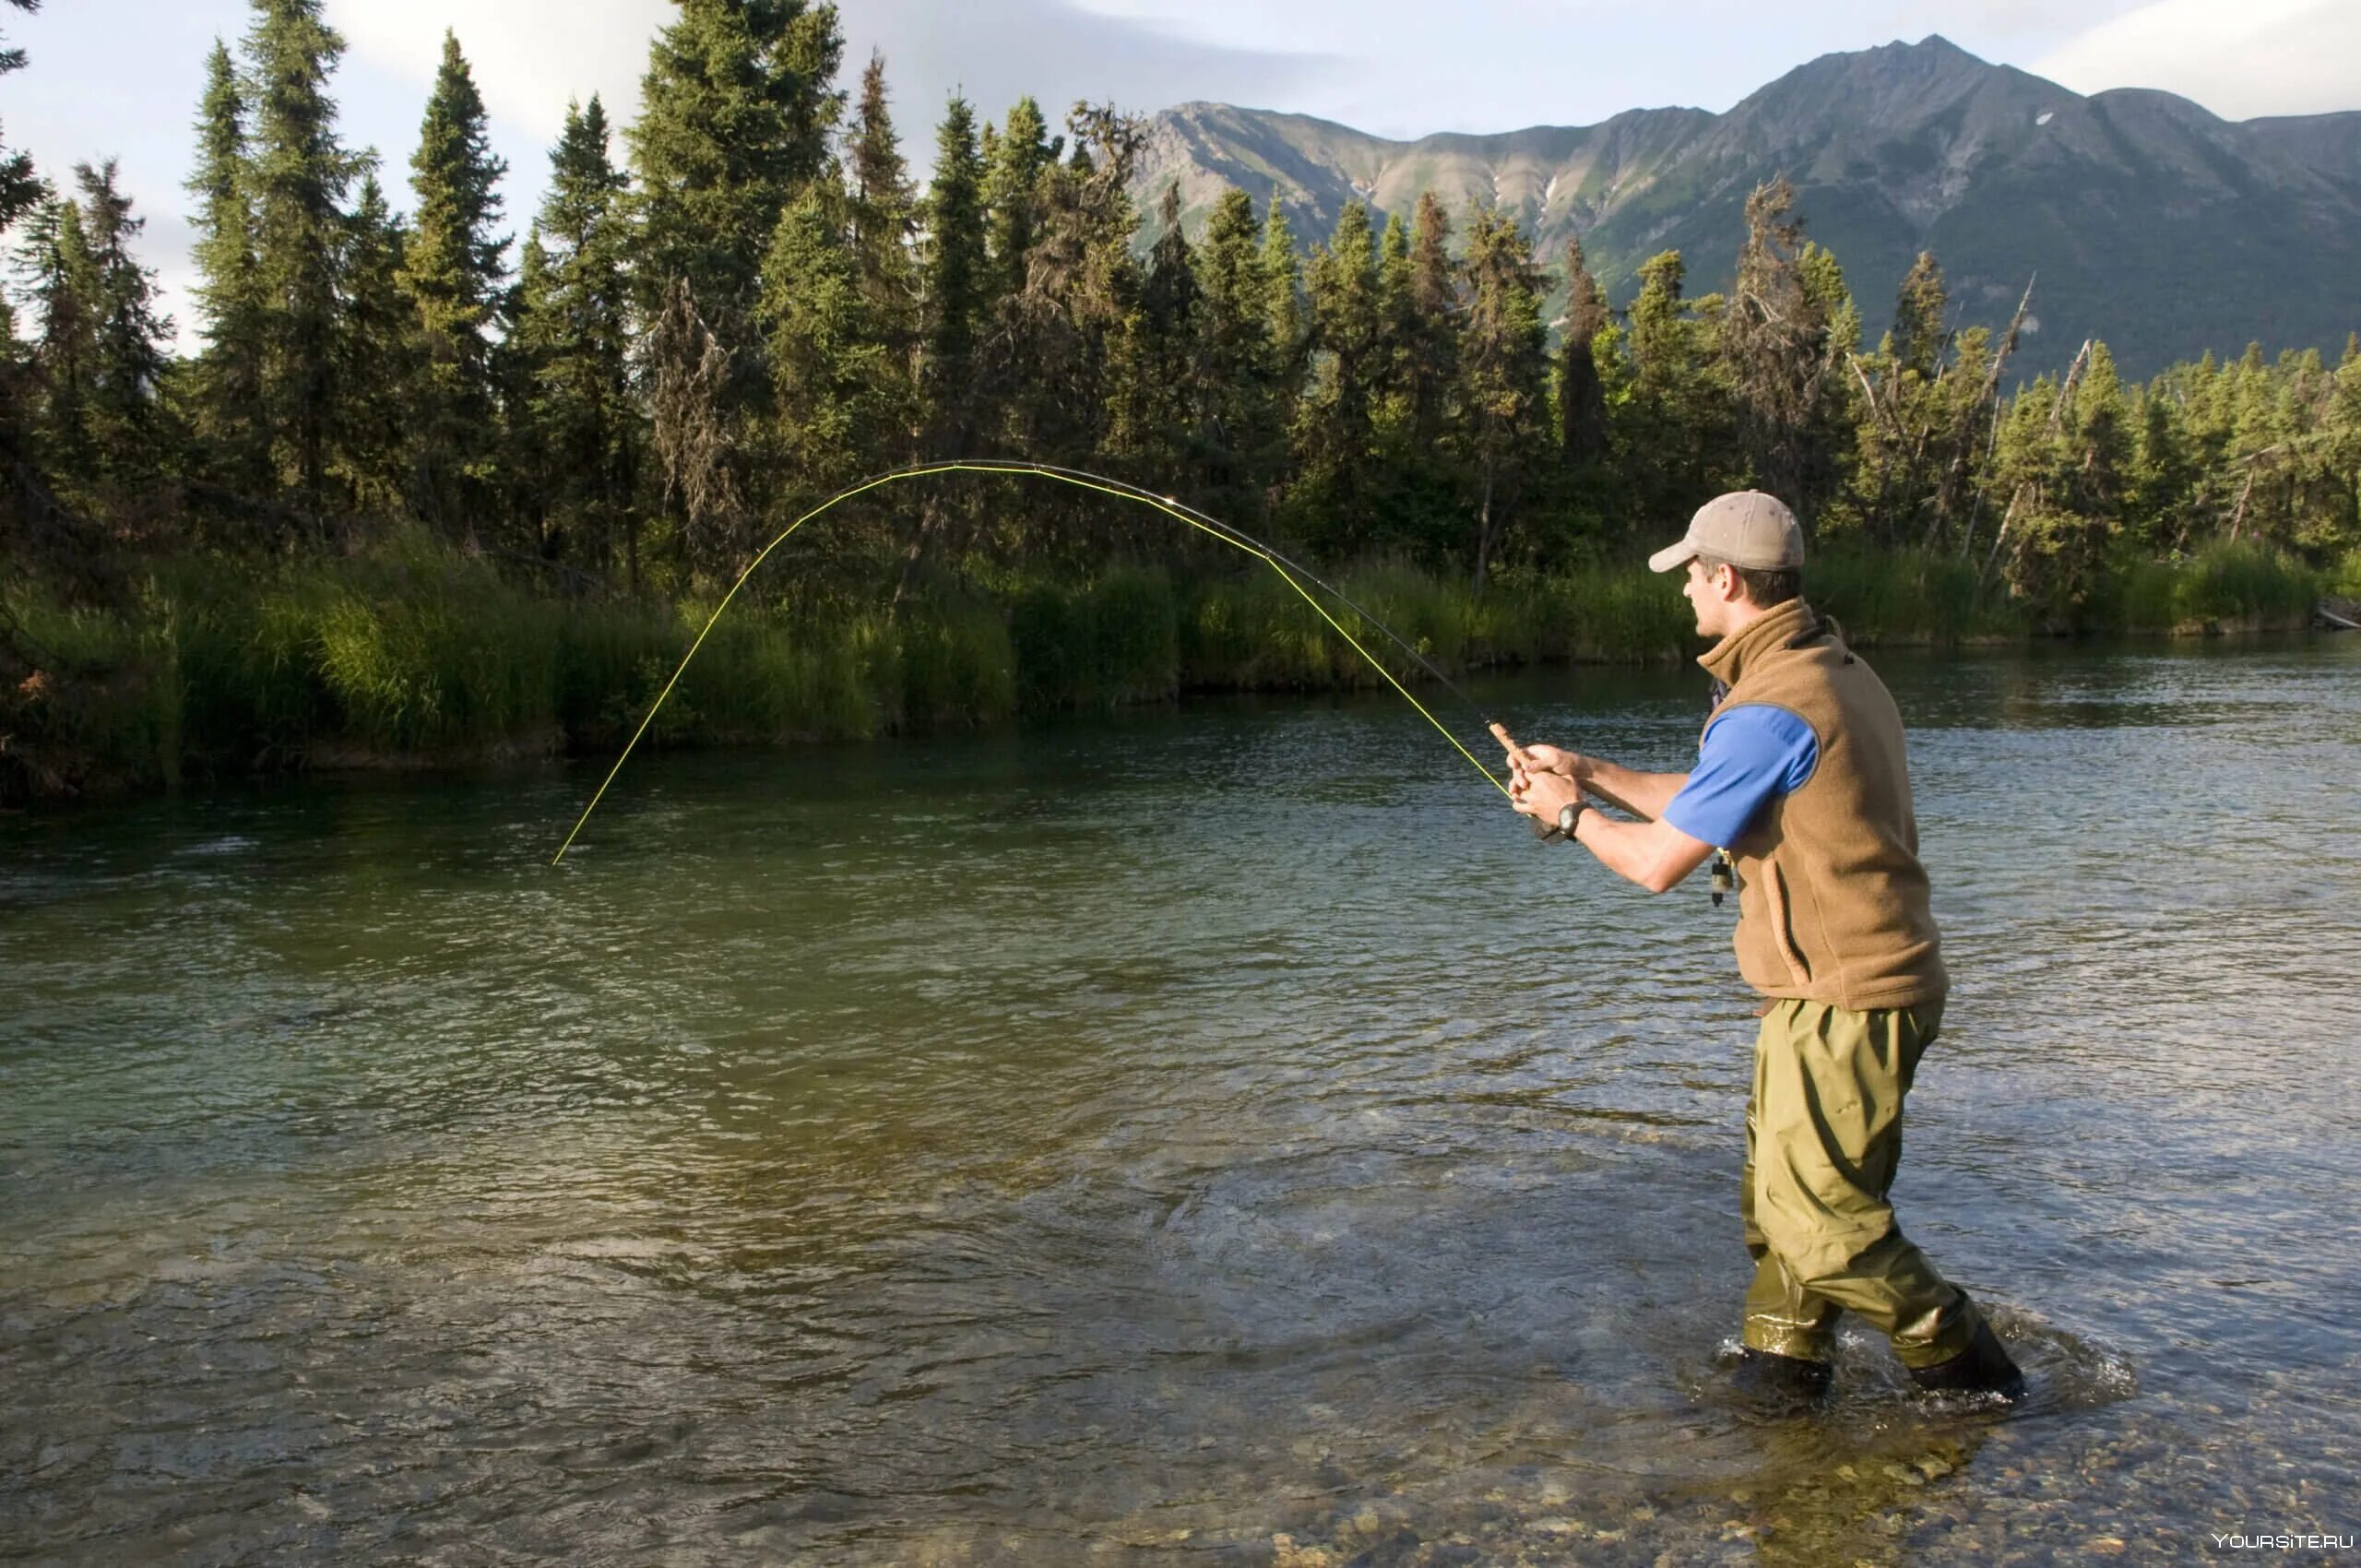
(1749, 755)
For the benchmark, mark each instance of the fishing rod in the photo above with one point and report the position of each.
(1290, 572)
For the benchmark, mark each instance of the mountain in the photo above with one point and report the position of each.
(2151, 223)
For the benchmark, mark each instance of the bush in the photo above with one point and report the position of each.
(1907, 597)
(2224, 583)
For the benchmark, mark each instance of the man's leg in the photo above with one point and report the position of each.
(1782, 1318)
(1829, 1087)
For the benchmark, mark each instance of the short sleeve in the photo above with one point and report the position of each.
(1749, 755)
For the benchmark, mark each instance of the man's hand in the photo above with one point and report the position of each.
(1552, 759)
(1524, 760)
(1543, 795)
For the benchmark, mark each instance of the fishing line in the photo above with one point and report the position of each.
(1290, 572)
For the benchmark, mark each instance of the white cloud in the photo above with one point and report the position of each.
(2239, 58)
(527, 56)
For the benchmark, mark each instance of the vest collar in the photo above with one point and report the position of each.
(1783, 626)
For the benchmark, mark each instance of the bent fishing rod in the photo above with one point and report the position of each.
(1294, 574)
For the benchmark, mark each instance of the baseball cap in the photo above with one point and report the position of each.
(1745, 528)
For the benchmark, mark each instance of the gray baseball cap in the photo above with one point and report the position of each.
(1745, 528)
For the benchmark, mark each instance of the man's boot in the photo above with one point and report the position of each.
(1781, 1385)
(1983, 1368)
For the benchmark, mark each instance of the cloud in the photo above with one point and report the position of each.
(996, 52)
(527, 56)
(2239, 58)
(530, 56)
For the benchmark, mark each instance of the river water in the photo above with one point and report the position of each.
(1220, 1135)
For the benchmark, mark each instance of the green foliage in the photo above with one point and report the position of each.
(953, 288)
(452, 270)
(247, 538)
(370, 437)
(1502, 399)
(1907, 596)
(19, 186)
(735, 120)
(225, 394)
(1098, 644)
(298, 172)
(2223, 586)
(580, 424)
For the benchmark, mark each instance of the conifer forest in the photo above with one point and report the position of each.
(426, 476)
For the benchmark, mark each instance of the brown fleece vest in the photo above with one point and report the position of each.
(1832, 903)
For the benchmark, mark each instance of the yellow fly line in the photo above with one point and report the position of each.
(1030, 470)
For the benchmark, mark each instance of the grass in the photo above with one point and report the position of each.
(414, 652)
(1909, 596)
(2222, 585)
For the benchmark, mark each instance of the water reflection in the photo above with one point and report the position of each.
(1154, 1136)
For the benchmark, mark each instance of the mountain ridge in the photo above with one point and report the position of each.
(2151, 222)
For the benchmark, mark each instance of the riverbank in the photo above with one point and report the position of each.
(415, 655)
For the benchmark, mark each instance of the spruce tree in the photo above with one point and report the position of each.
(1672, 429)
(832, 380)
(1072, 330)
(956, 284)
(1917, 339)
(1434, 299)
(1283, 303)
(583, 424)
(883, 227)
(453, 270)
(1243, 438)
(59, 283)
(884, 207)
(1018, 157)
(1582, 395)
(1503, 393)
(20, 188)
(1332, 426)
(225, 391)
(300, 172)
(736, 116)
(371, 441)
(1416, 502)
(1776, 348)
(1168, 397)
(1394, 319)
(130, 441)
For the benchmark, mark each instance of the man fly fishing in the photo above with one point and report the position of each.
(1801, 781)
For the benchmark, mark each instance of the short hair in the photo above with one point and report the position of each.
(1764, 588)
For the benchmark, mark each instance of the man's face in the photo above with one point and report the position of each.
(1703, 592)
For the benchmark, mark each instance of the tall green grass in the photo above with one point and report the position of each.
(1909, 596)
(2223, 586)
(2345, 580)
(1098, 644)
(415, 652)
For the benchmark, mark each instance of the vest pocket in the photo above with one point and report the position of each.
(1774, 893)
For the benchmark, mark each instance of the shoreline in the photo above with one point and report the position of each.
(542, 743)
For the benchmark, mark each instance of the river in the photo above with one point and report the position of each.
(1215, 1135)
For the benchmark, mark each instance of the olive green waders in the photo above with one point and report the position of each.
(1824, 1135)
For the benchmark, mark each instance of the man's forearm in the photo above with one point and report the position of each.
(1655, 855)
(1642, 794)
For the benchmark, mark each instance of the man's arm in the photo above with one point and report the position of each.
(1655, 854)
(1642, 794)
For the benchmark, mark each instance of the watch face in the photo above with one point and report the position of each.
(1567, 818)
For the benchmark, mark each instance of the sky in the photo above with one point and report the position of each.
(121, 78)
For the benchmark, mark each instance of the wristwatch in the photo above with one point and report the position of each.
(1567, 815)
